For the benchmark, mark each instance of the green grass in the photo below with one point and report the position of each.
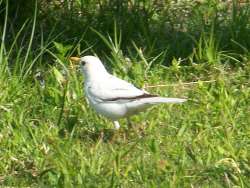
(50, 137)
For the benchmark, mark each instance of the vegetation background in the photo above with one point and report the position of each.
(199, 49)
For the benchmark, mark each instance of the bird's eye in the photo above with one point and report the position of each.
(83, 63)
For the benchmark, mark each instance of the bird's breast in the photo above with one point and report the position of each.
(110, 110)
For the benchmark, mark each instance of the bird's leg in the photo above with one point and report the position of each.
(129, 123)
(116, 131)
(129, 128)
(117, 125)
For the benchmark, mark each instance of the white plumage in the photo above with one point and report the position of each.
(112, 97)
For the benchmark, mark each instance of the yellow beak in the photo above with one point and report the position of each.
(75, 60)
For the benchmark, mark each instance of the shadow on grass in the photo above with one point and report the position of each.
(107, 135)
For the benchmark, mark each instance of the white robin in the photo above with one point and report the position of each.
(112, 97)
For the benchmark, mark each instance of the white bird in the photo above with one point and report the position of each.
(112, 97)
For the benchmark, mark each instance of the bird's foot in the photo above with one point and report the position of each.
(117, 125)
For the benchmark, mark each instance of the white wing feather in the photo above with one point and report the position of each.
(112, 88)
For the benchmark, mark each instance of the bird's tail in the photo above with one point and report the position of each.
(159, 100)
(143, 103)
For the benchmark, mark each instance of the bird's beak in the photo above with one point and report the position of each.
(75, 60)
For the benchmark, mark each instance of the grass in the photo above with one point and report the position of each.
(49, 136)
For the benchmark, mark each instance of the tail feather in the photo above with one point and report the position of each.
(138, 105)
(158, 100)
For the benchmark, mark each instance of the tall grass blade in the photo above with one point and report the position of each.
(4, 32)
(30, 42)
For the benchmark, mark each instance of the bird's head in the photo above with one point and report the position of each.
(90, 65)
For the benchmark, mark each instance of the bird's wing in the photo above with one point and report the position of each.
(113, 89)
